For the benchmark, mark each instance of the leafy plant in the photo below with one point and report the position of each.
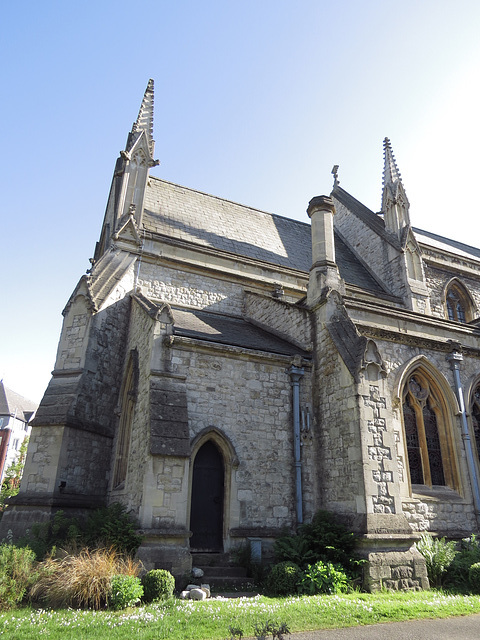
(105, 527)
(112, 527)
(295, 549)
(323, 578)
(157, 584)
(467, 554)
(283, 578)
(125, 591)
(235, 632)
(263, 629)
(13, 474)
(17, 574)
(322, 539)
(439, 555)
(82, 580)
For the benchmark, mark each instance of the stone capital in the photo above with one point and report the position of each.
(320, 203)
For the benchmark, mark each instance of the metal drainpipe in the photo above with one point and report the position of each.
(296, 374)
(455, 358)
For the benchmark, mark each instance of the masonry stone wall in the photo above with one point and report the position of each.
(444, 511)
(85, 465)
(140, 337)
(102, 377)
(437, 279)
(368, 245)
(283, 318)
(249, 400)
(191, 289)
(337, 433)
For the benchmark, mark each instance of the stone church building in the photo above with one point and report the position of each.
(225, 372)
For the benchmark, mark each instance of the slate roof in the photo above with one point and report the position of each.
(184, 214)
(13, 404)
(434, 240)
(213, 327)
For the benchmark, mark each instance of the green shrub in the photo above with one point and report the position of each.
(474, 577)
(157, 585)
(125, 591)
(62, 531)
(457, 573)
(105, 527)
(284, 578)
(323, 578)
(322, 539)
(439, 555)
(112, 527)
(17, 574)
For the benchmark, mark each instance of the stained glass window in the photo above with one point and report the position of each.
(424, 449)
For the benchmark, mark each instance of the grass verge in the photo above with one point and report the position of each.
(210, 620)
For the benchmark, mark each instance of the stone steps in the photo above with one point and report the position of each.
(219, 572)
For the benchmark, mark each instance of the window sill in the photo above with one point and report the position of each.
(440, 494)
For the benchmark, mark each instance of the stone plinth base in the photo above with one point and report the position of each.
(167, 549)
(393, 563)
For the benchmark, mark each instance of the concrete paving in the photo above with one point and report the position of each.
(457, 628)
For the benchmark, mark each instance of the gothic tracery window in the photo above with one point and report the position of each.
(475, 413)
(458, 303)
(428, 449)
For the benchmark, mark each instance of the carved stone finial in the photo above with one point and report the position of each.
(336, 181)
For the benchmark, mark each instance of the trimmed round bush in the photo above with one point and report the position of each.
(474, 577)
(157, 585)
(126, 591)
(283, 579)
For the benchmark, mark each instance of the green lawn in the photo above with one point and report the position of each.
(188, 620)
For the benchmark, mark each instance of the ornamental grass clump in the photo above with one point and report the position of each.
(83, 580)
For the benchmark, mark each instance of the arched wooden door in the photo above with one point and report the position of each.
(206, 514)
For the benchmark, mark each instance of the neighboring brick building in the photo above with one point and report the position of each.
(16, 412)
(224, 373)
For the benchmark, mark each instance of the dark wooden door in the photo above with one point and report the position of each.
(206, 516)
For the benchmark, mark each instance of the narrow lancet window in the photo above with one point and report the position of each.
(458, 303)
(128, 398)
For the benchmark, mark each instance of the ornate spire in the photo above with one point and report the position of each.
(395, 205)
(144, 121)
(393, 188)
(391, 174)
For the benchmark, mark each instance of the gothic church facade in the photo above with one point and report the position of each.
(224, 373)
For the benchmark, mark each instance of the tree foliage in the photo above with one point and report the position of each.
(13, 475)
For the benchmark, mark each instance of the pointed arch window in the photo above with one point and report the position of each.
(128, 397)
(458, 303)
(427, 434)
(475, 414)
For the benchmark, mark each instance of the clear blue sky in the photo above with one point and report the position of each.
(255, 101)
